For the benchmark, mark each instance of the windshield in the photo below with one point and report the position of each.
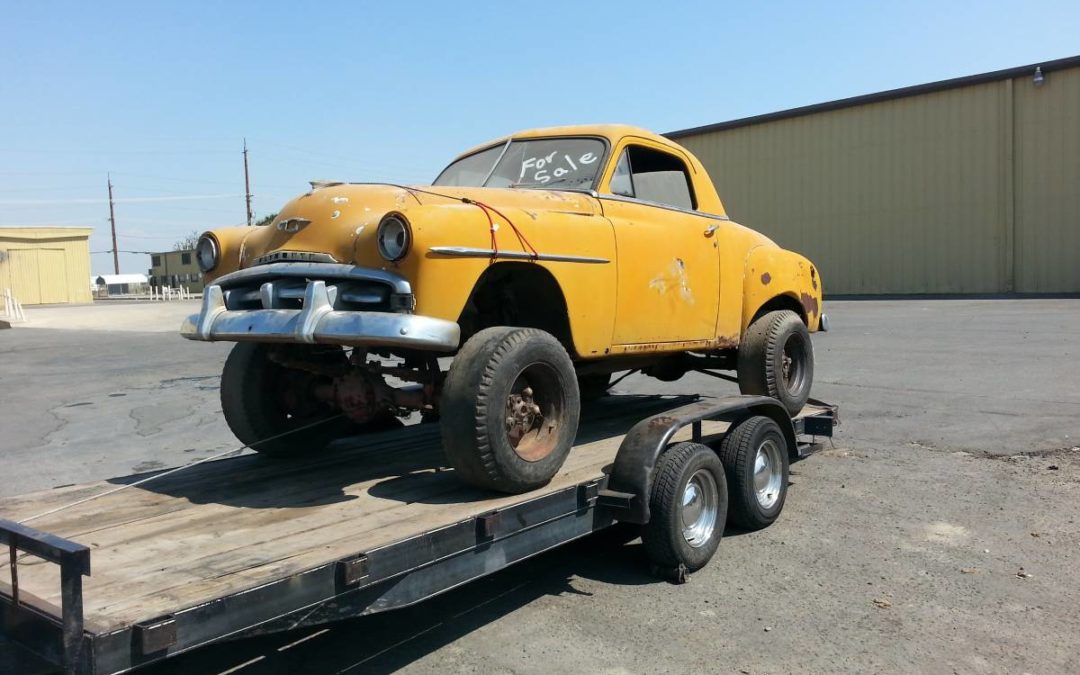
(541, 162)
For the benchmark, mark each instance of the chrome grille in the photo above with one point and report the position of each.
(288, 293)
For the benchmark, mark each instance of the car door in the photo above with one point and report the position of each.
(668, 263)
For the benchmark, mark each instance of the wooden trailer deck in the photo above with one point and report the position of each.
(234, 524)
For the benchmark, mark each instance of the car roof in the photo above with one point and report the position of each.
(612, 132)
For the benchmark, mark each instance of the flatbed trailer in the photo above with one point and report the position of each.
(244, 546)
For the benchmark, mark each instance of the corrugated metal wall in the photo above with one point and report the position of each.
(1048, 184)
(46, 265)
(974, 189)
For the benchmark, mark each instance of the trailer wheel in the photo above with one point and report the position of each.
(510, 409)
(776, 358)
(688, 505)
(252, 401)
(755, 458)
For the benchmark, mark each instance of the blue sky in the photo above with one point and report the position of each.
(161, 94)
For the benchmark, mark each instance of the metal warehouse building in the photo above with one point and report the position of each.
(969, 185)
(45, 265)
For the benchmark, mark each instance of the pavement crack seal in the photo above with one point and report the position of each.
(1028, 454)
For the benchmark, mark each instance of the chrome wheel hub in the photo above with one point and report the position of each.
(768, 474)
(700, 505)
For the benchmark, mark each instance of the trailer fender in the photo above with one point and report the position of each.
(630, 481)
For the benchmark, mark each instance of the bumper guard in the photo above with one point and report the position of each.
(317, 322)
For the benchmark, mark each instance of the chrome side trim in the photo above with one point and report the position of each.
(304, 270)
(466, 252)
(645, 202)
(824, 323)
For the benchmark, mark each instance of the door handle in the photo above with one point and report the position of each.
(711, 229)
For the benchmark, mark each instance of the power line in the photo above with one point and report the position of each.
(52, 188)
(51, 223)
(162, 236)
(187, 151)
(174, 180)
(349, 159)
(127, 200)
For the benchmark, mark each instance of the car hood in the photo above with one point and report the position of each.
(340, 221)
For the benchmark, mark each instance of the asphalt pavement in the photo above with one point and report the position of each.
(939, 534)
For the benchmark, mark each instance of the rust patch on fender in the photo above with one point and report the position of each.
(809, 303)
(766, 278)
(664, 421)
(813, 277)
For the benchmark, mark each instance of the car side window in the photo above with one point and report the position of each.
(621, 183)
(654, 176)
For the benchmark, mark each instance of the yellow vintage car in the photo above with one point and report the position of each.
(543, 262)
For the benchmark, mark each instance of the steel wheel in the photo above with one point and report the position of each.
(509, 409)
(700, 505)
(755, 456)
(776, 358)
(688, 509)
(534, 412)
(793, 360)
(768, 474)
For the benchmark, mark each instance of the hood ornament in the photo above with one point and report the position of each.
(292, 224)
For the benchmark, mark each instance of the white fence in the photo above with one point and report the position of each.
(13, 310)
(164, 293)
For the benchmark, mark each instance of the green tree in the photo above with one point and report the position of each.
(266, 220)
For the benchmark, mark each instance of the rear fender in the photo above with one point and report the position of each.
(774, 272)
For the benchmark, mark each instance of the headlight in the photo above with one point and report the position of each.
(394, 237)
(206, 253)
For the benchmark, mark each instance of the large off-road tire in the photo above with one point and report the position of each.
(688, 508)
(252, 389)
(489, 438)
(776, 359)
(755, 458)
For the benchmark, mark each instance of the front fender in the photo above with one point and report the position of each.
(443, 282)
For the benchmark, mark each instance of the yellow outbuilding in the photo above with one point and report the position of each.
(46, 265)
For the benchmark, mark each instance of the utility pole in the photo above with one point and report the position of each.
(112, 223)
(247, 185)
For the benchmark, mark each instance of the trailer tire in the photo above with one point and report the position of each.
(688, 484)
(776, 358)
(755, 458)
(510, 408)
(250, 393)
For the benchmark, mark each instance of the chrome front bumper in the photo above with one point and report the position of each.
(317, 322)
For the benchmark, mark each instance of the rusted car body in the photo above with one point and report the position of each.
(608, 238)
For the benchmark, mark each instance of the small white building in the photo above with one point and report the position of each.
(107, 285)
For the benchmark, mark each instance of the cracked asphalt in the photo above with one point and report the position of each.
(941, 533)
